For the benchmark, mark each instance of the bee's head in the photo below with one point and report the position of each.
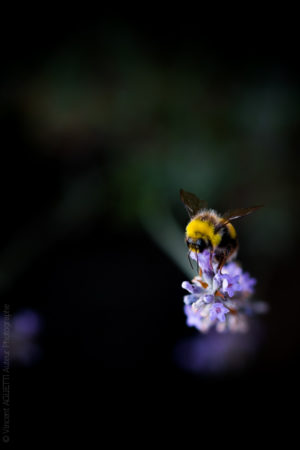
(198, 245)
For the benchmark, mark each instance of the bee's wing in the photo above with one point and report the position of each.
(192, 203)
(233, 214)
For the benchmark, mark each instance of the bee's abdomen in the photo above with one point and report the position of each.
(229, 239)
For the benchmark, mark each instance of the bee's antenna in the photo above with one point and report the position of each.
(190, 260)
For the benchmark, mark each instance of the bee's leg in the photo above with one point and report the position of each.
(197, 264)
(222, 261)
(210, 259)
(221, 264)
(224, 257)
(189, 258)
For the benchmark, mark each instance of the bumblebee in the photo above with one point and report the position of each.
(209, 230)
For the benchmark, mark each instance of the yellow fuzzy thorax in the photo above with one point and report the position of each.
(202, 229)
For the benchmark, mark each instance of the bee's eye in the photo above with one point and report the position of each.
(200, 244)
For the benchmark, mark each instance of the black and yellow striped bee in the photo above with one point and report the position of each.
(209, 230)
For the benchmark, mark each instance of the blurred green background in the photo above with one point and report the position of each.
(127, 122)
(103, 121)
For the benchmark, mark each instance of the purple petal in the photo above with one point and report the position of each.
(208, 298)
(189, 299)
(27, 322)
(192, 288)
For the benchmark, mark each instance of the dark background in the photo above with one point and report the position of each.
(103, 121)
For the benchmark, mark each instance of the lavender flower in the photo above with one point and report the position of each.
(24, 328)
(220, 299)
(218, 311)
(216, 354)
